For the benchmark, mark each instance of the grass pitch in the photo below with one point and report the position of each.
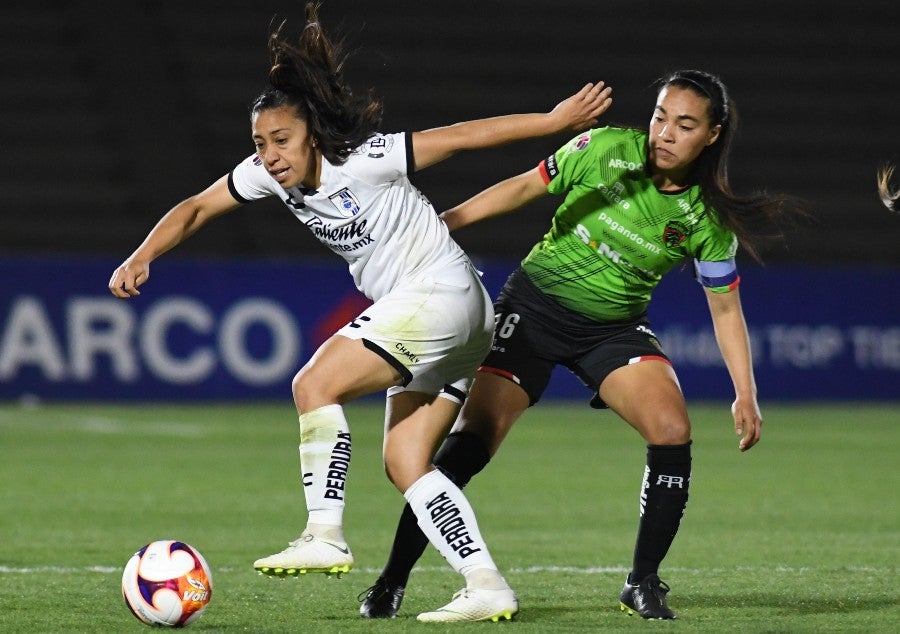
(801, 534)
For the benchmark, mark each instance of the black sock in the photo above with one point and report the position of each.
(461, 456)
(664, 496)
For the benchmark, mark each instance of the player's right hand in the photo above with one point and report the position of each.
(582, 110)
(128, 277)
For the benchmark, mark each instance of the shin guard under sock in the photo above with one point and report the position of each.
(664, 496)
(324, 462)
(446, 517)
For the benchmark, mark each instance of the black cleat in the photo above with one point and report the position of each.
(381, 601)
(648, 598)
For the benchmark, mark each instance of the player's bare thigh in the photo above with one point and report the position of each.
(647, 396)
(341, 370)
(495, 403)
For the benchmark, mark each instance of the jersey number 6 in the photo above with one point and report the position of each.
(505, 329)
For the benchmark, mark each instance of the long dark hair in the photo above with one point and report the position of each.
(890, 198)
(308, 76)
(757, 218)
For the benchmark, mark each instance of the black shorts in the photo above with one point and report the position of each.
(533, 333)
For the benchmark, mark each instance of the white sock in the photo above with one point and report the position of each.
(324, 462)
(486, 579)
(447, 519)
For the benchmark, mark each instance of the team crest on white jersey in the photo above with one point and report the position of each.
(345, 202)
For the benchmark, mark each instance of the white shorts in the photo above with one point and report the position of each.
(434, 332)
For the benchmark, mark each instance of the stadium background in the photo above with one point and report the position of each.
(115, 111)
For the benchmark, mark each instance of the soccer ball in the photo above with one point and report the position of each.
(167, 583)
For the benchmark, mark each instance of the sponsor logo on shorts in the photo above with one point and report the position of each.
(406, 352)
(355, 323)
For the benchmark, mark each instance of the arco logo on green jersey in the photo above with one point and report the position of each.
(631, 166)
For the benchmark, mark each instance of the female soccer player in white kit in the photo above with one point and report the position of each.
(431, 322)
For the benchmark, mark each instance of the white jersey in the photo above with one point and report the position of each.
(366, 211)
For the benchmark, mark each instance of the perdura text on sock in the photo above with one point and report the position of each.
(446, 517)
(337, 468)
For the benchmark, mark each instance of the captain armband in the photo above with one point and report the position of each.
(719, 277)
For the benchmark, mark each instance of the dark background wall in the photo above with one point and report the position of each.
(114, 111)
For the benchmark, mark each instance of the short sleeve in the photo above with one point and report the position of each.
(250, 181)
(382, 158)
(562, 169)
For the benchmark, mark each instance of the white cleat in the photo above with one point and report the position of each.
(475, 605)
(308, 554)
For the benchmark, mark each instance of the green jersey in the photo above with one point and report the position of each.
(615, 235)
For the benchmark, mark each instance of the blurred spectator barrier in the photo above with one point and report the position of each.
(230, 329)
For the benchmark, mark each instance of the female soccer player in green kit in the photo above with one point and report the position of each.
(637, 203)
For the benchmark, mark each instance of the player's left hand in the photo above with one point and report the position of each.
(747, 421)
(582, 110)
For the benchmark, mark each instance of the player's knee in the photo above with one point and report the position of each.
(668, 430)
(403, 473)
(308, 392)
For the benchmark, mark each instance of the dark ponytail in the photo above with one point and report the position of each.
(308, 76)
(757, 218)
(890, 198)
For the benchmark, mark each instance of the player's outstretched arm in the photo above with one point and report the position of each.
(502, 198)
(734, 342)
(179, 223)
(575, 113)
